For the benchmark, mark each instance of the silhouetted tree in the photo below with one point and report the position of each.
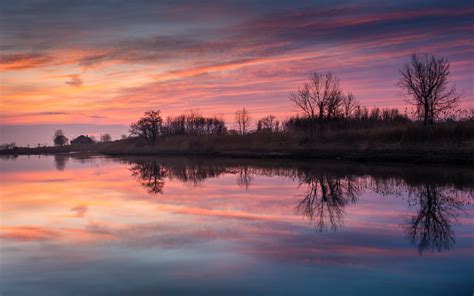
(426, 80)
(192, 123)
(349, 104)
(321, 97)
(105, 138)
(242, 119)
(309, 104)
(59, 138)
(149, 127)
(268, 124)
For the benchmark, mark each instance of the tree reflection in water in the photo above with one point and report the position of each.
(60, 161)
(325, 200)
(244, 178)
(430, 228)
(150, 175)
(329, 190)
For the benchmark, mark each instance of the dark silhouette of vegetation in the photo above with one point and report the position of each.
(321, 97)
(326, 198)
(332, 124)
(242, 118)
(350, 105)
(268, 124)
(150, 175)
(438, 195)
(192, 123)
(438, 208)
(59, 138)
(149, 127)
(7, 146)
(244, 178)
(426, 80)
(105, 138)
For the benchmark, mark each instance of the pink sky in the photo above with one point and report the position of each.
(100, 64)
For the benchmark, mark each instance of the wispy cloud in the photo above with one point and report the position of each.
(74, 80)
(182, 55)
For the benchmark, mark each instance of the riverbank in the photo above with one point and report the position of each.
(272, 146)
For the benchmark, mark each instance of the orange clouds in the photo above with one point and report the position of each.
(27, 233)
(20, 61)
(111, 76)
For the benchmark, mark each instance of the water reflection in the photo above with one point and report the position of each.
(328, 190)
(60, 161)
(437, 210)
(150, 175)
(325, 199)
(79, 225)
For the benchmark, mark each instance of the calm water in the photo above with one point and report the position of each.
(175, 226)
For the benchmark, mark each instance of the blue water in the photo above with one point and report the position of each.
(175, 226)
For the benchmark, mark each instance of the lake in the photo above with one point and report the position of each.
(75, 225)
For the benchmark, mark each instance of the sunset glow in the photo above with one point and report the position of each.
(102, 63)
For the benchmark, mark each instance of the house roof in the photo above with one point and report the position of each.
(82, 140)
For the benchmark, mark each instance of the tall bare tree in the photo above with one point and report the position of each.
(321, 97)
(333, 97)
(349, 104)
(105, 138)
(303, 100)
(426, 80)
(242, 118)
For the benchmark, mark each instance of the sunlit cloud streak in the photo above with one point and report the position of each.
(180, 56)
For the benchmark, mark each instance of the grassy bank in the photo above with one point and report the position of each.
(448, 143)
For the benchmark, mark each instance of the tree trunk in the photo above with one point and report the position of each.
(426, 113)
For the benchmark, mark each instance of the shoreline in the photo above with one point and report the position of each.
(408, 156)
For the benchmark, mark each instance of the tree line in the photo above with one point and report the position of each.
(60, 139)
(329, 190)
(324, 105)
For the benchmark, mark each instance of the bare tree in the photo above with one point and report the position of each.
(59, 138)
(268, 124)
(349, 104)
(305, 101)
(332, 97)
(149, 127)
(321, 97)
(105, 138)
(242, 118)
(426, 80)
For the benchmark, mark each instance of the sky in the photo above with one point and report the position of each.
(104, 63)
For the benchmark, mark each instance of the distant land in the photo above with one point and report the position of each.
(24, 135)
